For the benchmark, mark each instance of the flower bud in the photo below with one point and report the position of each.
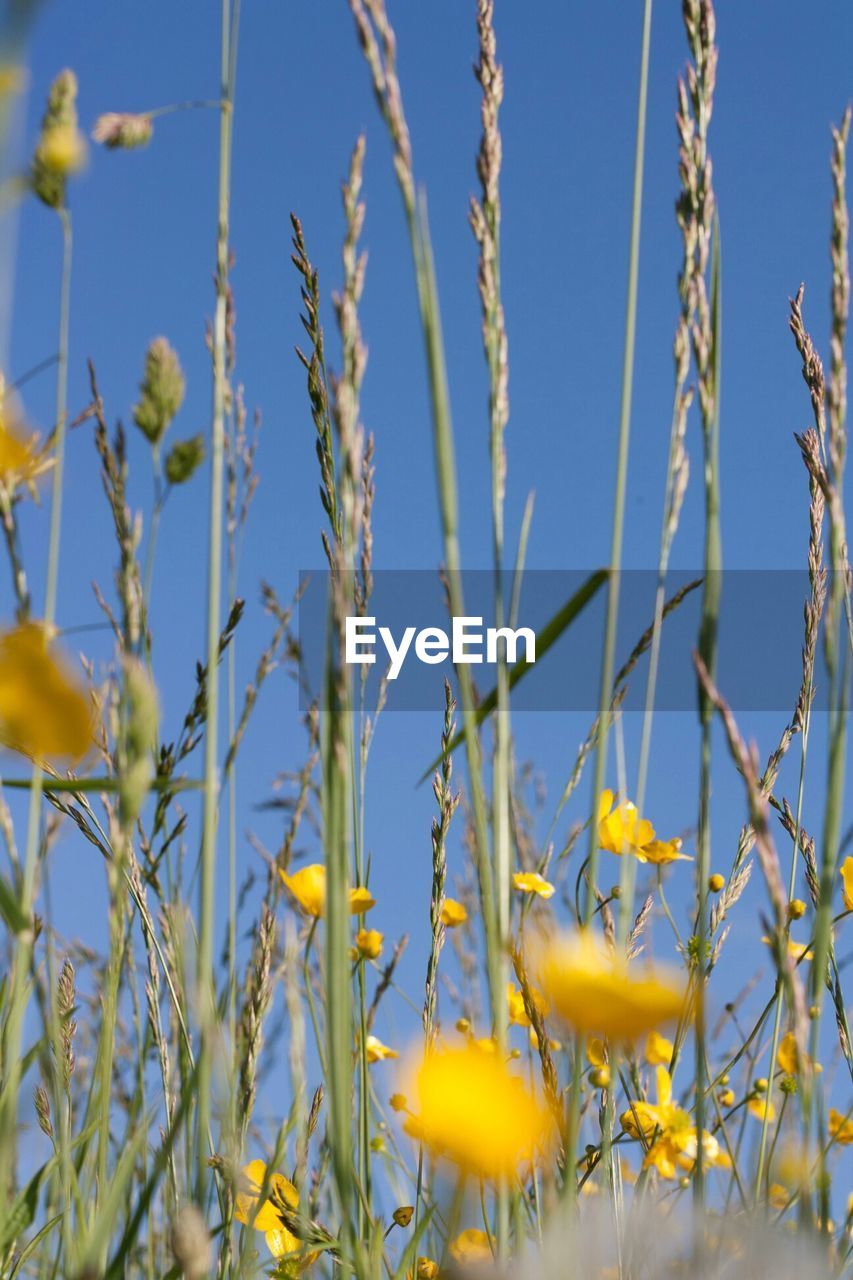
(796, 909)
(716, 882)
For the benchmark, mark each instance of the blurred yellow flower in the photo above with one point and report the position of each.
(427, 1269)
(20, 457)
(840, 1127)
(45, 712)
(726, 1097)
(596, 1055)
(308, 886)
(761, 1106)
(796, 950)
(658, 1051)
(788, 1057)
(471, 1246)
(453, 914)
(595, 990)
(532, 882)
(368, 943)
(847, 882)
(282, 1244)
(473, 1111)
(377, 1051)
(778, 1196)
(716, 882)
(398, 1101)
(515, 1002)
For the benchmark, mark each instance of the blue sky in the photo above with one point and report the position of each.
(144, 248)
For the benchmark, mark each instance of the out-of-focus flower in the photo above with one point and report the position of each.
(368, 943)
(847, 882)
(761, 1106)
(726, 1097)
(594, 990)
(161, 391)
(426, 1269)
(282, 1243)
(398, 1101)
(308, 886)
(596, 1054)
(658, 1050)
(472, 1110)
(453, 913)
(61, 148)
(840, 1127)
(788, 1056)
(463, 1026)
(796, 950)
(184, 459)
(796, 909)
(600, 1077)
(778, 1196)
(376, 1051)
(45, 712)
(472, 1245)
(21, 459)
(532, 882)
(123, 130)
(515, 1001)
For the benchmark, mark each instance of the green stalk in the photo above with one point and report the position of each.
(708, 652)
(25, 941)
(205, 977)
(612, 614)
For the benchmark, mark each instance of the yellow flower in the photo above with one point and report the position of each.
(427, 1269)
(662, 852)
(716, 882)
(403, 1216)
(658, 1051)
(622, 830)
(532, 882)
(308, 887)
(45, 712)
(20, 456)
(398, 1101)
(840, 1127)
(377, 1051)
(369, 943)
(62, 149)
(778, 1196)
(453, 914)
(847, 882)
(675, 1149)
(726, 1097)
(515, 1001)
(796, 950)
(282, 1244)
(761, 1106)
(596, 991)
(471, 1246)
(473, 1111)
(596, 1054)
(788, 1057)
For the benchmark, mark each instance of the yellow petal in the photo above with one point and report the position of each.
(847, 882)
(532, 882)
(45, 712)
(453, 913)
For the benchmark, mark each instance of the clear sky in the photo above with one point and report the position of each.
(144, 250)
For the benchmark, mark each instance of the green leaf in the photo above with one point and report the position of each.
(11, 909)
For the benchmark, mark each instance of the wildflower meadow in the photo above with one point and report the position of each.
(425, 673)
